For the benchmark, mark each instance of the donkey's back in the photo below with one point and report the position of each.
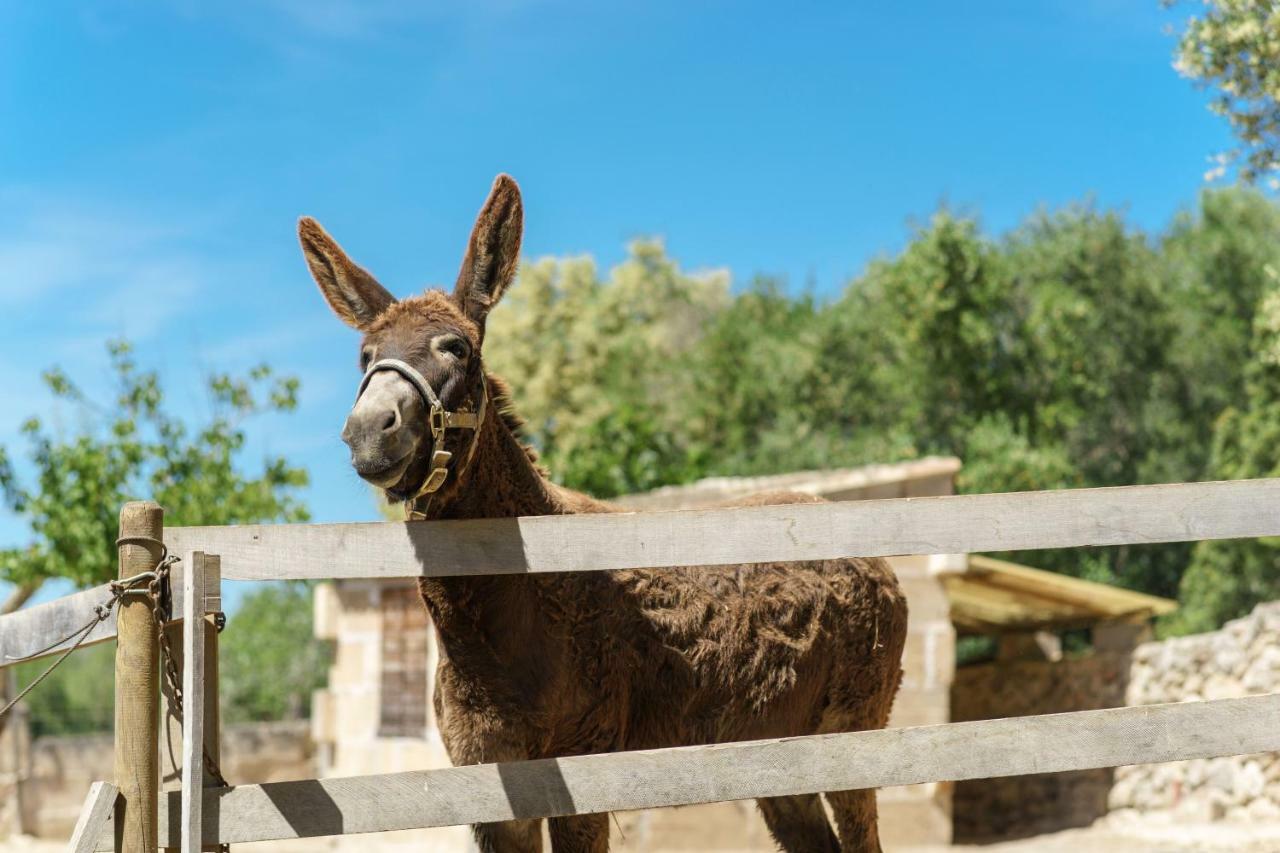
(763, 651)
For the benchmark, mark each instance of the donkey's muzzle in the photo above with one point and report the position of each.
(384, 428)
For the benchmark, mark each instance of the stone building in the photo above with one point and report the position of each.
(375, 716)
(1026, 612)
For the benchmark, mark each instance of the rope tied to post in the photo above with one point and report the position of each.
(155, 585)
(101, 612)
(159, 591)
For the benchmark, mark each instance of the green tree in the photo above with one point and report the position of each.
(1095, 335)
(269, 661)
(130, 447)
(1039, 359)
(1213, 262)
(1234, 47)
(592, 364)
(745, 400)
(78, 697)
(926, 342)
(126, 448)
(1226, 578)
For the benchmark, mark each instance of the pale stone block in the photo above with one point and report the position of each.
(352, 664)
(323, 729)
(1119, 636)
(1263, 810)
(921, 707)
(1263, 673)
(942, 564)
(927, 487)
(929, 656)
(1029, 645)
(1207, 808)
(1249, 782)
(325, 612)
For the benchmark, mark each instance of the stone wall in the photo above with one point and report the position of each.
(60, 770)
(15, 746)
(1014, 807)
(1242, 658)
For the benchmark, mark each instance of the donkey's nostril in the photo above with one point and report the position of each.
(391, 420)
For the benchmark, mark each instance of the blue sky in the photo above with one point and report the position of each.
(154, 158)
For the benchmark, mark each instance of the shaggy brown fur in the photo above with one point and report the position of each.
(566, 664)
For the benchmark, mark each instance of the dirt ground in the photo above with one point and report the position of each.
(1132, 836)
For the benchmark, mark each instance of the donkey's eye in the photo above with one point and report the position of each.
(451, 345)
(366, 357)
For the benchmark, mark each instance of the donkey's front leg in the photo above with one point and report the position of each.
(512, 836)
(584, 833)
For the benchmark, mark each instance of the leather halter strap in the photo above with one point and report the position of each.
(439, 420)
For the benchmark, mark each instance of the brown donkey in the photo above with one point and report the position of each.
(534, 666)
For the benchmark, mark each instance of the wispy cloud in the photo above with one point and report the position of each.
(328, 19)
(269, 342)
(74, 273)
(363, 18)
(101, 270)
(347, 18)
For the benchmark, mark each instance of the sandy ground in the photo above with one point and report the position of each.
(1127, 837)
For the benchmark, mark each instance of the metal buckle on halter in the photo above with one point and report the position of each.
(436, 420)
(434, 480)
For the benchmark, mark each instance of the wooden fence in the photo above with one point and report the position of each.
(136, 817)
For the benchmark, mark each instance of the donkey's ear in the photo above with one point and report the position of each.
(352, 293)
(493, 251)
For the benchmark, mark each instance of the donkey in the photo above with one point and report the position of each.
(537, 666)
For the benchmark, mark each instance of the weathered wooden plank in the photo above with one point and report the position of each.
(955, 524)
(193, 650)
(734, 771)
(93, 819)
(212, 681)
(27, 631)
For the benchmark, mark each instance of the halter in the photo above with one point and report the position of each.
(439, 420)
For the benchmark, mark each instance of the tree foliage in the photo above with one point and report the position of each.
(593, 363)
(1234, 47)
(130, 447)
(1228, 577)
(78, 697)
(1075, 350)
(269, 660)
(99, 454)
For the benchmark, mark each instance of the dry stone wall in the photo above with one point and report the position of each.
(1014, 807)
(1241, 659)
(60, 770)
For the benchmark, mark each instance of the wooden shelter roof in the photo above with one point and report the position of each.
(993, 596)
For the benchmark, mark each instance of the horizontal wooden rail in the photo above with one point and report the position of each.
(1126, 515)
(53, 626)
(957, 524)
(733, 771)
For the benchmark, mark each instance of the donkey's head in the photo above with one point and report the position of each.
(421, 400)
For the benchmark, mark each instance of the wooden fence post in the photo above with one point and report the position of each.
(137, 687)
(212, 708)
(193, 694)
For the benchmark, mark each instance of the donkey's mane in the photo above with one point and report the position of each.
(500, 399)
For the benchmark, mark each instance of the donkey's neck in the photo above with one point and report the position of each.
(502, 480)
(494, 627)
